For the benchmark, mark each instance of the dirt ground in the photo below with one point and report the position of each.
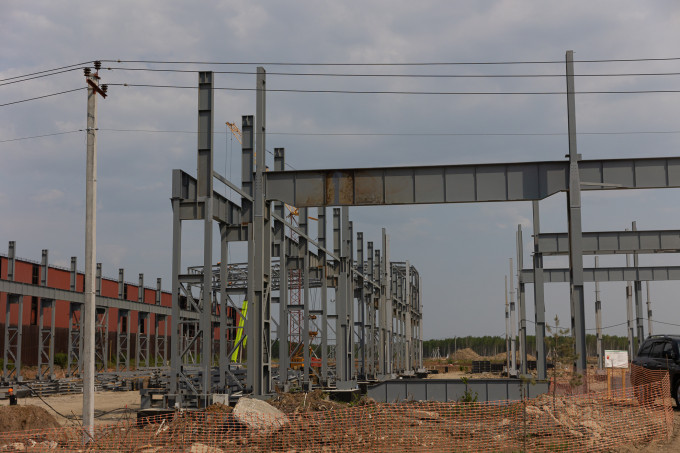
(672, 446)
(110, 407)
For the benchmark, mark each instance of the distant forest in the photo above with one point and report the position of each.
(490, 346)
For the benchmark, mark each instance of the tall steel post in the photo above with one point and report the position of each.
(639, 318)
(343, 299)
(283, 329)
(508, 352)
(361, 299)
(176, 330)
(304, 251)
(380, 321)
(513, 323)
(539, 298)
(205, 193)
(259, 260)
(575, 232)
(321, 215)
(598, 321)
(408, 355)
(629, 314)
(370, 312)
(223, 363)
(649, 313)
(522, 303)
(387, 303)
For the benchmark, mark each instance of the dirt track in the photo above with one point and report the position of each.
(110, 407)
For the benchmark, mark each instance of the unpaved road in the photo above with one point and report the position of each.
(110, 407)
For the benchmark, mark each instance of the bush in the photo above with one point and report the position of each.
(60, 359)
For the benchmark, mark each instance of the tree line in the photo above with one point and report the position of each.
(492, 345)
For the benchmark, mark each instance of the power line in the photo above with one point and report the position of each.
(466, 76)
(47, 70)
(39, 76)
(439, 93)
(440, 63)
(40, 136)
(42, 97)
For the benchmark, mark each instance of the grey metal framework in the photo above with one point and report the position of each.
(377, 319)
(47, 297)
(594, 243)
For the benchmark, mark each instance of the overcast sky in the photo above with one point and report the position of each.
(461, 251)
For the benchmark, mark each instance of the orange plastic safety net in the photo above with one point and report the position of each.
(593, 421)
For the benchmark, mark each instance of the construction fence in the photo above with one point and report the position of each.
(585, 422)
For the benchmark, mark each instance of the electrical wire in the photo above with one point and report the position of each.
(442, 76)
(42, 97)
(40, 136)
(449, 63)
(39, 76)
(47, 70)
(438, 93)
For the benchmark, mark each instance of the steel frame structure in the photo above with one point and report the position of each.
(593, 243)
(46, 322)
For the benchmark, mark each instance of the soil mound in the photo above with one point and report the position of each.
(293, 403)
(466, 355)
(22, 418)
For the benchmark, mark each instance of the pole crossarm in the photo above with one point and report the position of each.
(613, 242)
(464, 183)
(608, 274)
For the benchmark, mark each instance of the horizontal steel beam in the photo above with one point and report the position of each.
(610, 242)
(464, 183)
(44, 292)
(184, 187)
(608, 274)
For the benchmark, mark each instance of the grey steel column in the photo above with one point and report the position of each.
(387, 270)
(513, 324)
(649, 313)
(407, 319)
(522, 303)
(539, 298)
(508, 362)
(639, 317)
(304, 250)
(259, 289)
(361, 300)
(344, 329)
(283, 330)
(370, 308)
(223, 382)
(380, 321)
(598, 322)
(45, 335)
(575, 232)
(205, 193)
(348, 233)
(629, 314)
(321, 214)
(176, 330)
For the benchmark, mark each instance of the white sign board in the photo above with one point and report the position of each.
(615, 359)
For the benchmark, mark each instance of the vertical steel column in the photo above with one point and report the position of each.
(420, 322)
(575, 232)
(639, 318)
(598, 321)
(507, 329)
(282, 240)
(160, 341)
(321, 215)
(123, 340)
(204, 187)
(629, 314)
(387, 302)
(522, 303)
(407, 320)
(649, 313)
(142, 340)
(176, 329)
(259, 263)
(45, 335)
(304, 251)
(380, 322)
(101, 338)
(370, 313)
(343, 331)
(223, 363)
(361, 300)
(513, 324)
(74, 360)
(539, 298)
(98, 280)
(13, 334)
